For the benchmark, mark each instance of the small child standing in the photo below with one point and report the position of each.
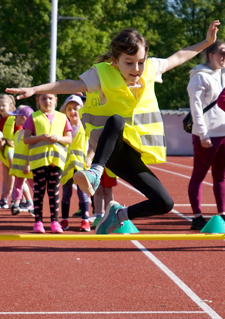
(75, 161)
(8, 129)
(20, 164)
(47, 132)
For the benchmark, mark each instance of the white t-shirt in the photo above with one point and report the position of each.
(92, 81)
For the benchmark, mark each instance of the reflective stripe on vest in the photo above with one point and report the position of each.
(144, 129)
(20, 157)
(77, 152)
(8, 129)
(44, 153)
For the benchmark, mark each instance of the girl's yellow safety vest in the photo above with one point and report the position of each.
(144, 129)
(20, 158)
(76, 154)
(8, 129)
(44, 153)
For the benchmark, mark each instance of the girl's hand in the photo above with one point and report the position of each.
(24, 92)
(44, 137)
(206, 142)
(53, 138)
(26, 169)
(212, 31)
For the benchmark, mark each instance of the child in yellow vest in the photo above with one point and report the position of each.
(48, 133)
(20, 167)
(8, 128)
(77, 152)
(125, 125)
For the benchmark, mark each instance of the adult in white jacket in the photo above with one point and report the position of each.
(208, 133)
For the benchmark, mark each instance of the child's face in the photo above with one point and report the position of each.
(4, 107)
(20, 120)
(47, 102)
(131, 67)
(72, 112)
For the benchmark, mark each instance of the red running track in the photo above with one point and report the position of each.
(116, 279)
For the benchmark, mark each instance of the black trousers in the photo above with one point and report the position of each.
(126, 163)
(46, 176)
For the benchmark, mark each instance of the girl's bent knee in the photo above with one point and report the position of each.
(116, 121)
(167, 207)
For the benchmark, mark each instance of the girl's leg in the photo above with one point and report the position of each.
(65, 205)
(108, 195)
(67, 193)
(53, 183)
(99, 200)
(40, 180)
(203, 159)
(84, 206)
(126, 163)
(218, 174)
(18, 194)
(27, 202)
(8, 186)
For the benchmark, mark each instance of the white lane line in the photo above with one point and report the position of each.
(189, 205)
(100, 312)
(200, 303)
(178, 174)
(182, 165)
(181, 215)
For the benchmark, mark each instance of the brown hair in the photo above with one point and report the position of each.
(127, 41)
(213, 48)
(11, 101)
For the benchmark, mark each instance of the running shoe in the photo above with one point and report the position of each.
(88, 181)
(65, 224)
(27, 207)
(93, 218)
(11, 204)
(4, 204)
(85, 225)
(109, 222)
(77, 214)
(15, 210)
(56, 227)
(24, 206)
(198, 223)
(38, 227)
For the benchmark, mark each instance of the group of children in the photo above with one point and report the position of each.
(44, 148)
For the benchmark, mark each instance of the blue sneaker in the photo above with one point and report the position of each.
(109, 222)
(88, 181)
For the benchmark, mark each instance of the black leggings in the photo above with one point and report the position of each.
(126, 163)
(46, 176)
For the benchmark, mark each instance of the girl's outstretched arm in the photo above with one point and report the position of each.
(59, 87)
(185, 54)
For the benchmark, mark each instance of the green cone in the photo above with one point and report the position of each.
(128, 228)
(216, 225)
